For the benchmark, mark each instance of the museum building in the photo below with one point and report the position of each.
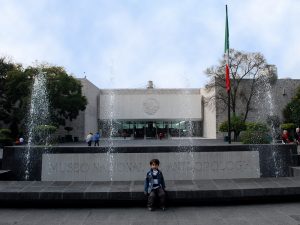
(149, 112)
(144, 113)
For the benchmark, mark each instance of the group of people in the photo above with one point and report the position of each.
(93, 138)
(19, 141)
(287, 139)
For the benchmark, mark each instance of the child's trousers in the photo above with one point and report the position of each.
(157, 193)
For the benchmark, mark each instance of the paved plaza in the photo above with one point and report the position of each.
(225, 213)
(256, 214)
(120, 142)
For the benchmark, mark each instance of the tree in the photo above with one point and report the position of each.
(68, 129)
(6, 67)
(65, 95)
(15, 89)
(64, 92)
(237, 125)
(291, 112)
(248, 72)
(5, 137)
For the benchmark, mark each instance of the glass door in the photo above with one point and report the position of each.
(151, 130)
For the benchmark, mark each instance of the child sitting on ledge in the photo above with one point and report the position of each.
(155, 186)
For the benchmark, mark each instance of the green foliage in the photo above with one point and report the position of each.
(14, 91)
(292, 110)
(43, 134)
(5, 137)
(288, 126)
(65, 95)
(237, 125)
(49, 129)
(252, 137)
(256, 133)
(64, 91)
(224, 126)
(254, 126)
(5, 132)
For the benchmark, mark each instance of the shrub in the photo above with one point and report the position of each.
(256, 133)
(236, 125)
(43, 134)
(288, 126)
(5, 137)
(254, 126)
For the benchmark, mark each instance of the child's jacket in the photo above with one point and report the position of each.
(149, 181)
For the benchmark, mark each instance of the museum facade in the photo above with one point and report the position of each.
(144, 113)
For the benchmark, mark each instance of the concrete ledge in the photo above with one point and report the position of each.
(188, 192)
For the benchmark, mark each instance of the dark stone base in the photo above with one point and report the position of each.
(104, 194)
(5, 175)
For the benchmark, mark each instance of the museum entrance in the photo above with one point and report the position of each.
(150, 130)
(145, 130)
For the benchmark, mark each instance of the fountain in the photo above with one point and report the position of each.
(183, 159)
(110, 155)
(264, 98)
(38, 116)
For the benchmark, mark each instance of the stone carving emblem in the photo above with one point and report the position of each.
(151, 106)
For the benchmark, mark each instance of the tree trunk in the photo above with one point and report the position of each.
(235, 136)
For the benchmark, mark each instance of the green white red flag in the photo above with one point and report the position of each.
(226, 51)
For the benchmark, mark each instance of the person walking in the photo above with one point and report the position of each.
(96, 139)
(89, 139)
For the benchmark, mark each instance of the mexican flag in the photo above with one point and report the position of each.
(226, 51)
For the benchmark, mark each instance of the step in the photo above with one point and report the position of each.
(115, 192)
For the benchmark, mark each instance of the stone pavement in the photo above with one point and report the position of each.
(152, 142)
(254, 214)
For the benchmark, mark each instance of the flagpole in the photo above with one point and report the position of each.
(227, 74)
(228, 106)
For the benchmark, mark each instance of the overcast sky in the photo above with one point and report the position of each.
(125, 43)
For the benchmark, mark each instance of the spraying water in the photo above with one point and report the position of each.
(186, 143)
(38, 114)
(268, 102)
(111, 126)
